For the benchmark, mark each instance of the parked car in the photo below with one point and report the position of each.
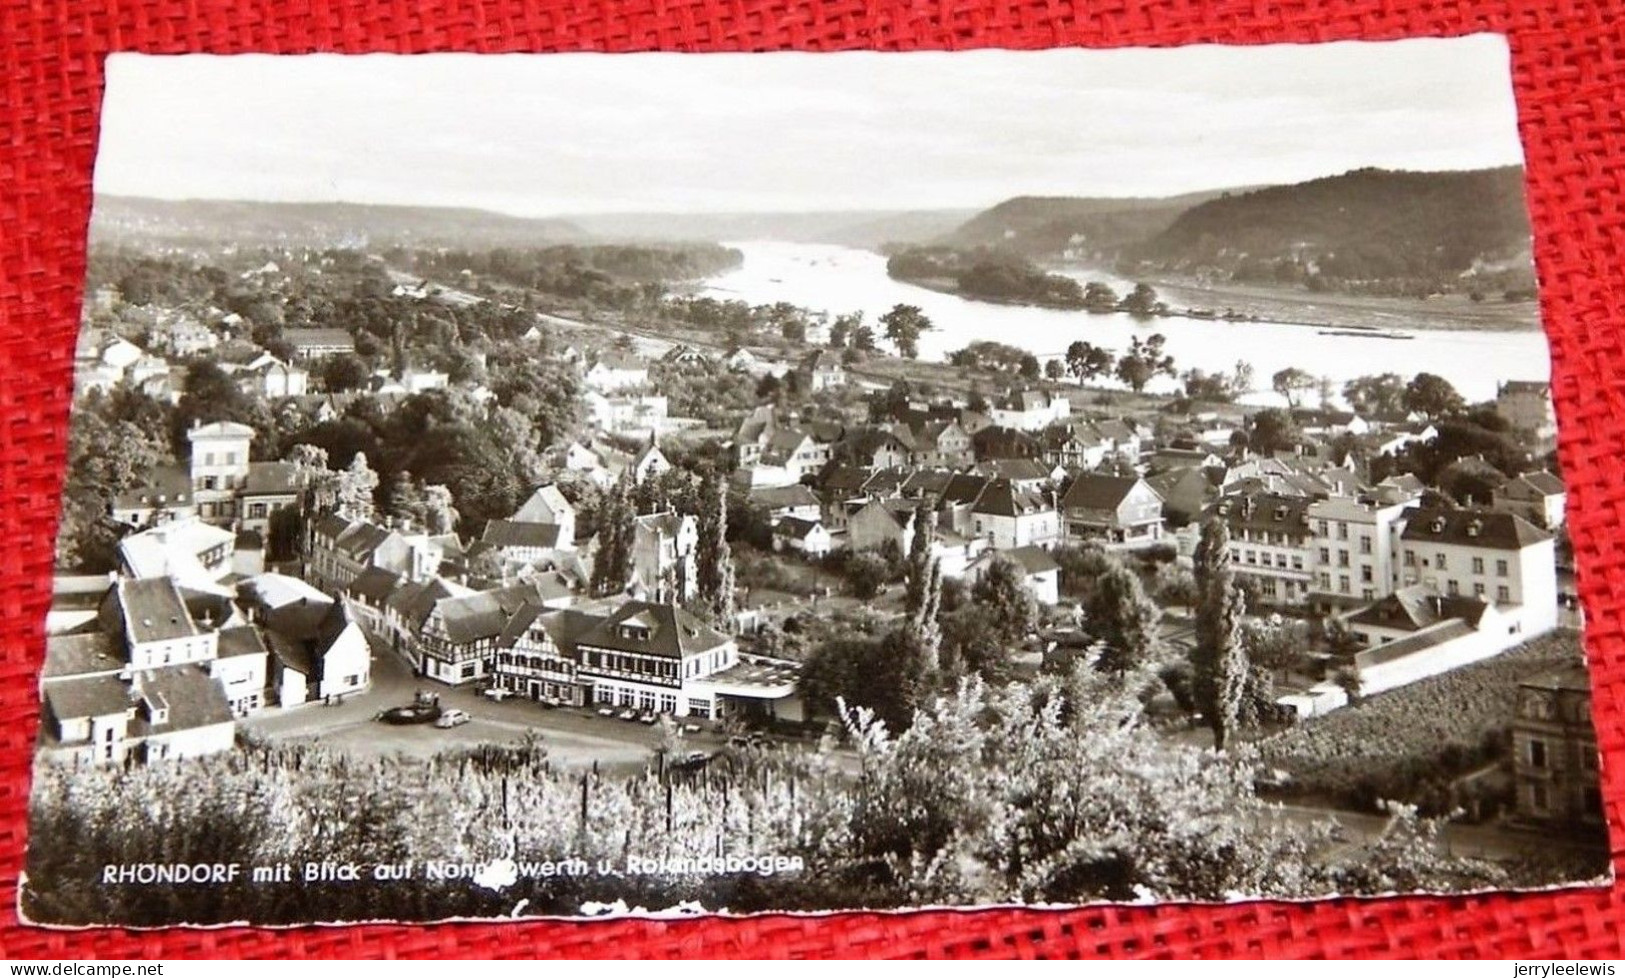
(606, 711)
(628, 714)
(496, 693)
(647, 717)
(452, 718)
(692, 728)
(423, 708)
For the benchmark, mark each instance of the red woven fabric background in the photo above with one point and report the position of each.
(1569, 68)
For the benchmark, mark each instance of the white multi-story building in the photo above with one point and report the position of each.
(1494, 556)
(219, 465)
(1270, 543)
(1356, 551)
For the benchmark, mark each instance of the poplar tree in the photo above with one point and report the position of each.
(1220, 665)
(919, 560)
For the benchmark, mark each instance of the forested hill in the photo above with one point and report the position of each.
(146, 220)
(1361, 228)
(1043, 227)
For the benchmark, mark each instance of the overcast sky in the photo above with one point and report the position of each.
(581, 133)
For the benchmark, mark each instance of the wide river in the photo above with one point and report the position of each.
(837, 280)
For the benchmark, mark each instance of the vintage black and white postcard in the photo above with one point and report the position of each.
(572, 485)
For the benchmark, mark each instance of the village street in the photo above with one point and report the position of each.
(573, 737)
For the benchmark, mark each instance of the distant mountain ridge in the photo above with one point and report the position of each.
(117, 219)
(1043, 227)
(855, 229)
(1364, 224)
(1367, 230)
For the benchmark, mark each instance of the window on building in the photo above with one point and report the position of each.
(1439, 562)
(1478, 589)
(1325, 555)
(1454, 586)
(1410, 558)
(1500, 568)
(1342, 558)
(1502, 593)
(1478, 565)
(1342, 531)
(1537, 753)
(1365, 575)
(1325, 580)
(1365, 544)
(1538, 797)
(1320, 527)
(1343, 584)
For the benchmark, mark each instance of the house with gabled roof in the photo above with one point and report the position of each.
(318, 652)
(1185, 492)
(1539, 497)
(779, 502)
(881, 521)
(615, 372)
(1000, 442)
(806, 537)
(458, 638)
(1031, 410)
(942, 442)
(1040, 574)
(1113, 511)
(1026, 474)
(822, 369)
(1009, 517)
(341, 548)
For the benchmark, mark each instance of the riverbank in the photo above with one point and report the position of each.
(1326, 310)
(1380, 316)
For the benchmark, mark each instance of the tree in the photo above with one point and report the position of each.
(919, 560)
(356, 486)
(714, 564)
(1030, 369)
(344, 372)
(1273, 430)
(924, 623)
(903, 325)
(1433, 396)
(1242, 379)
(1292, 383)
(866, 572)
(863, 339)
(400, 497)
(1124, 620)
(1087, 361)
(1144, 361)
(439, 513)
(1099, 297)
(1176, 585)
(1218, 660)
(616, 527)
(1054, 369)
(1376, 395)
(1276, 645)
(1142, 302)
(842, 330)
